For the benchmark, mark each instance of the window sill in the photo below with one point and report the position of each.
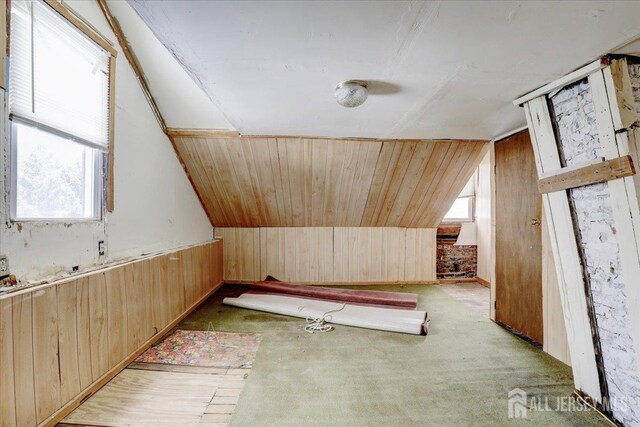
(57, 221)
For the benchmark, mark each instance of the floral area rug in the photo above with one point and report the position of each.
(204, 348)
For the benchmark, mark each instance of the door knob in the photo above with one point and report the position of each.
(535, 221)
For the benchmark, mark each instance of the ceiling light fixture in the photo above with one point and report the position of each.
(351, 93)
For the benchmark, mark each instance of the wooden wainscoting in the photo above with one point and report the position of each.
(62, 341)
(330, 254)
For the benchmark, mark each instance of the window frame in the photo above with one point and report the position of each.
(104, 160)
(98, 193)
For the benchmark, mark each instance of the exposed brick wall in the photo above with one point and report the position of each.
(574, 116)
(454, 261)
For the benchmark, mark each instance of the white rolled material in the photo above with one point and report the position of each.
(383, 319)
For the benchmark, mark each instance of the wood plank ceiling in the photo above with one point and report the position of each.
(299, 182)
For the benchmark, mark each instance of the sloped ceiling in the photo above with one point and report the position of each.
(181, 101)
(448, 69)
(279, 182)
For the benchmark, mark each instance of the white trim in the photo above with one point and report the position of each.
(508, 134)
(565, 253)
(624, 200)
(578, 74)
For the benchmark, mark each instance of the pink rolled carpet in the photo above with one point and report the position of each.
(393, 299)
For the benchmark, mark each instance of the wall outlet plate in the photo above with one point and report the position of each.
(4, 266)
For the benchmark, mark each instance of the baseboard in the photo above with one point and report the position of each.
(483, 282)
(454, 281)
(412, 282)
(70, 406)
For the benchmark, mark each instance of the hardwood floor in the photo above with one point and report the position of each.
(149, 394)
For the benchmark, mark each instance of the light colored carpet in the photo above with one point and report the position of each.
(459, 375)
(474, 295)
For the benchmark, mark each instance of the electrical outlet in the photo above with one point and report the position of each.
(4, 266)
(101, 248)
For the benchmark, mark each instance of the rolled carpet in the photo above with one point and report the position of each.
(401, 300)
(383, 319)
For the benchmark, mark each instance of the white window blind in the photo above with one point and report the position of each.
(59, 77)
(469, 189)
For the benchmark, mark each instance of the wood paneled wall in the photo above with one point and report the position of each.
(59, 342)
(287, 182)
(330, 254)
(301, 254)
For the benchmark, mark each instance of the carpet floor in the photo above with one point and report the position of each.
(460, 374)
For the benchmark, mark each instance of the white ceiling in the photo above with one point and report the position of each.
(450, 69)
(181, 101)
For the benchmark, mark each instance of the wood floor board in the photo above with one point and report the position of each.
(178, 368)
(161, 394)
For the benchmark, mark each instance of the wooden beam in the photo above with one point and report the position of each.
(203, 133)
(587, 174)
(229, 133)
(348, 138)
(347, 283)
(133, 61)
(578, 74)
(619, 91)
(112, 121)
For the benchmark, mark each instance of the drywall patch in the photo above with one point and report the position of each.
(575, 121)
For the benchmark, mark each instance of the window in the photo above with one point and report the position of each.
(59, 104)
(462, 208)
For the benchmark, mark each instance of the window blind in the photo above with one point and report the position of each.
(469, 189)
(59, 78)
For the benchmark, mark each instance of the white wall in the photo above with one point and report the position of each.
(155, 205)
(483, 218)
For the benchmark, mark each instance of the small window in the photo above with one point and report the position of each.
(462, 208)
(59, 108)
